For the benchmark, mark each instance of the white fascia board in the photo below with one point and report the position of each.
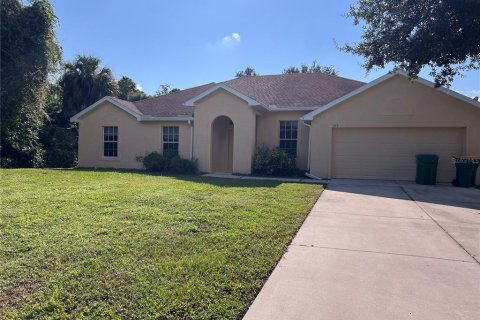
(178, 118)
(250, 101)
(311, 115)
(77, 117)
(279, 109)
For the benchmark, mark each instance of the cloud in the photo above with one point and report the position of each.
(229, 41)
(474, 92)
(139, 87)
(470, 93)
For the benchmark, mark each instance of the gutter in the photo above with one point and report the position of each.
(152, 118)
(274, 108)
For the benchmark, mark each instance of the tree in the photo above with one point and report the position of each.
(137, 95)
(126, 87)
(291, 69)
(443, 35)
(84, 81)
(313, 68)
(248, 72)
(128, 90)
(29, 54)
(59, 142)
(164, 89)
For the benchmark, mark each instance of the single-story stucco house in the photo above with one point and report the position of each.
(335, 127)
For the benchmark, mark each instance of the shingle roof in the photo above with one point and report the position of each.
(283, 91)
(294, 90)
(128, 104)
(171, 105)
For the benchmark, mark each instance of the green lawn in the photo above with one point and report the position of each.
(106, 244)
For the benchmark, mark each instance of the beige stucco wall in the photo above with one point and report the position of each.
(397, 102)
(222, 103)
(134, 138)
(268, 133)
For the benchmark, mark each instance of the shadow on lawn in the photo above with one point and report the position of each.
(219, 182)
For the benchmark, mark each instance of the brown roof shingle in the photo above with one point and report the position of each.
(294, 90)
(171, 105)
(128, 104)
(284, 90)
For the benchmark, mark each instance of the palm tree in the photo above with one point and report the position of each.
(84, 82)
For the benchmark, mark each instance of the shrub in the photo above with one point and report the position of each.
(184, 166)
(60, 147)
(168, 162)
(273, 162)
(156, 162)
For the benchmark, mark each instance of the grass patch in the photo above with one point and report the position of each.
(108, 244)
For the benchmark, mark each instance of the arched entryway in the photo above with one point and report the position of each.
(222, 145)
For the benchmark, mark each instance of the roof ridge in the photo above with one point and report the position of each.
(294, 74)
(172, 93)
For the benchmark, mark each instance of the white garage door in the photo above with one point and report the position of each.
(389, 153)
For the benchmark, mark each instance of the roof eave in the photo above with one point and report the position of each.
(280, 109)
(174, 118)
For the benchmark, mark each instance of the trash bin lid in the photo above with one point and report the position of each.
(468, 160)
(466, 157)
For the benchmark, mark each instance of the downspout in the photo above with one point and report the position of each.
(308, 174)
(191, 139)
(309, 147)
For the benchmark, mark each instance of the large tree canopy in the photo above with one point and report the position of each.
(441, 34)
(128, 90)
(83, 83)
(29, 53)
(126, 87)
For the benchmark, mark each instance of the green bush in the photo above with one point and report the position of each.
(156, 162)
(169, 163)
(273, 162)
(60, 147)
(179, 165)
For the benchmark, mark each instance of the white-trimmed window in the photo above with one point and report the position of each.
(288, 137)
(170, 139)
(110, 141)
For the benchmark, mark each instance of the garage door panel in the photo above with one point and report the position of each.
(389, 153)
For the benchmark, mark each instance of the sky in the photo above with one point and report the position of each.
(189, 43)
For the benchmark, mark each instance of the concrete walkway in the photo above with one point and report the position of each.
(380, 250)
(233, 176)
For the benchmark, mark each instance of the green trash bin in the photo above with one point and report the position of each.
(426, 169)
(466, 169)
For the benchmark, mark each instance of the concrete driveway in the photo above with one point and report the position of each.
(380, 250)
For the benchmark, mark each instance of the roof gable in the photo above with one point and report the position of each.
(374, 83)
(221, 86)
(126, 106)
